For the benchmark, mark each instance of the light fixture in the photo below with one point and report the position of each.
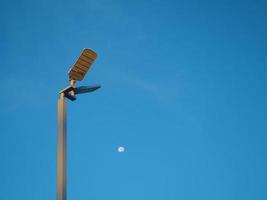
(82, 65)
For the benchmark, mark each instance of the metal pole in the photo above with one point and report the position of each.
(61, 149)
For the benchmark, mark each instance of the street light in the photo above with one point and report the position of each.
(76, 73)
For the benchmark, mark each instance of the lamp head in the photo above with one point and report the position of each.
(82, 65)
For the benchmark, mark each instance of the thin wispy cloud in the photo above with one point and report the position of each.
(23, 92)
(165, 91)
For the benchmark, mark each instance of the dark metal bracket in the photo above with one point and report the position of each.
(70, 91)
(67, 93)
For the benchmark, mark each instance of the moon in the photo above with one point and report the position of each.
(121, 149)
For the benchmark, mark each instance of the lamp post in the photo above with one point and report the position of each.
(76, 73)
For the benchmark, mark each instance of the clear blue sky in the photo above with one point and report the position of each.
(184, 90)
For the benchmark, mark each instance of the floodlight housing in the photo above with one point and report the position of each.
(82, 65)
(85, 89)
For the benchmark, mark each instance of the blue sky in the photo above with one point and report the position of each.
(183, 89)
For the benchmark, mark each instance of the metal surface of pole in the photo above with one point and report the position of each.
(61, 149)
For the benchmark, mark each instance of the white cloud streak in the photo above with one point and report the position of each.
(165, 92)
